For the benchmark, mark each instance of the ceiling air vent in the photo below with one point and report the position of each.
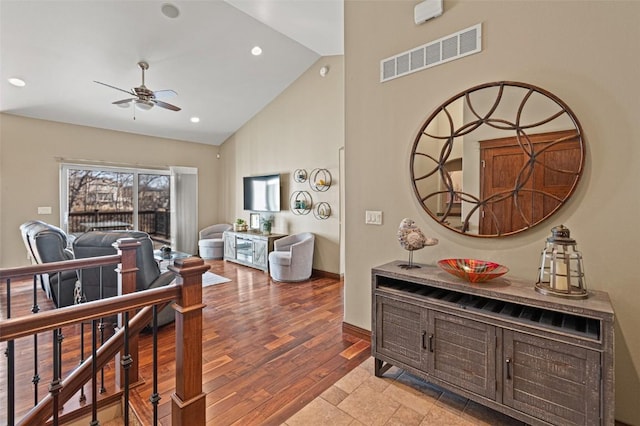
(454, 46)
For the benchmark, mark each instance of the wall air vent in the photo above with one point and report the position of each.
(454, 46)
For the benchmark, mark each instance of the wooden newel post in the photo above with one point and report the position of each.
(127, 272)
(188, 401)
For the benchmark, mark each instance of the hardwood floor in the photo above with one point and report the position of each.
(268, 349)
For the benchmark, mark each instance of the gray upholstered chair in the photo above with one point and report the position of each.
(100, 243)
(210, 243)
(292, 257)
(47, 243)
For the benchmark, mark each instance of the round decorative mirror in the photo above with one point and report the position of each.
(497, 159)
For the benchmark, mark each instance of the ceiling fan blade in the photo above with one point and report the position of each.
(124, 103)
(117, 88)
(165, 105)
(165, 94)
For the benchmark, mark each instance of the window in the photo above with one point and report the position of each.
(107, 198)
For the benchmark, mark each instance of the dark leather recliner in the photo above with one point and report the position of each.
(100, 243)
(48, 243)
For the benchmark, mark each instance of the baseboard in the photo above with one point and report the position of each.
(324, 274)
(354, 331)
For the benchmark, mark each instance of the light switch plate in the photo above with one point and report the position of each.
(44, 210)
(373, 217)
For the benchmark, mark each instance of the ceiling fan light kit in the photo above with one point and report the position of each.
(144, 98)
(144, 105)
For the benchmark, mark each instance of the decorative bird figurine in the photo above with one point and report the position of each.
(412, 238)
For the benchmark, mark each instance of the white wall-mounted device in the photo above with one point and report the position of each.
(426, 10)
(373, 217)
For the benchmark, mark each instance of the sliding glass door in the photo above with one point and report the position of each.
(154, 201)
(109, 198)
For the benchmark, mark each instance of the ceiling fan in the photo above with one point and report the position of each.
(144, 98)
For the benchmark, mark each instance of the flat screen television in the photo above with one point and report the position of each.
(262, 193)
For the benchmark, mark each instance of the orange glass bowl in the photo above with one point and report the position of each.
(472, 270)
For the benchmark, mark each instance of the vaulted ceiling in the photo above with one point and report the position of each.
(59, 48)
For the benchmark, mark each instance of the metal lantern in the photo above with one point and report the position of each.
(561, 272)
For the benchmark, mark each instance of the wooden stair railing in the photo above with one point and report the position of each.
(83, 373)
(188, 401)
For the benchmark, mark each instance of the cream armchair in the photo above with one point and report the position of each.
(292, 257)
(210, 244)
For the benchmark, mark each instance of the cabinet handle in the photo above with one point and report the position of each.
(431, 343)
(424, 343)
(508, 362)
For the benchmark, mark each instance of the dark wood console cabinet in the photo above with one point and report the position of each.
(541, 359)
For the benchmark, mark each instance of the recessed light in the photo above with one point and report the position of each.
(256, 51)
(17, 82)
(170, 11)
(195, 119)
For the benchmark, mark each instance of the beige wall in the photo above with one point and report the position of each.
(29, 170)
(585, 53)
(301, 129)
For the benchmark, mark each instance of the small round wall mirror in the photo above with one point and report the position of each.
(497, 159)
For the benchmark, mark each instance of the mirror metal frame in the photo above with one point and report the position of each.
(519, 131)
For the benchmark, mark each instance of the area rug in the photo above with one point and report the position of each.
(209, 279)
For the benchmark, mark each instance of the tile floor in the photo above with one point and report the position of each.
(398, 398)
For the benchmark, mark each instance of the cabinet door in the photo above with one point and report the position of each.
(400, 330)
(554, 381)
(462, 352)
(229, 246)
(260, 254)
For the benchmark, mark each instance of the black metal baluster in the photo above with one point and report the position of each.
(101, 327)
(10, 354)
(35, 308)
(58, 342)
(126, 362)
(55, 386)
(77, 298)
(11, 367)
(59, 294)
(155, 397)
(94, 373)
(36, 376)
(59, 338)
(83, 397)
